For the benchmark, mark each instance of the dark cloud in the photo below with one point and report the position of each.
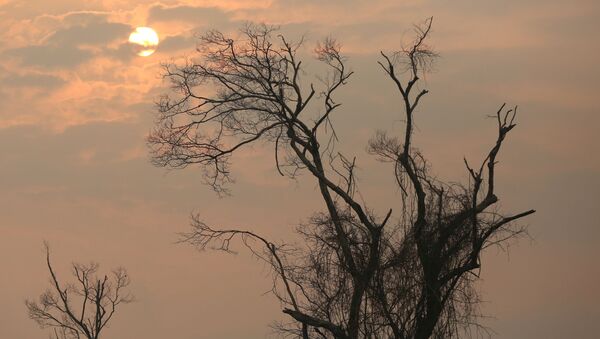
(201, 16)
(51, 56)
(96, 33)
(175, 43)
(84, 18)
(34, 80)
(123, 52)
(63, 48)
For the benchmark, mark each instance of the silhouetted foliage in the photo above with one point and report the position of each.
(357, 274)
(81, 309)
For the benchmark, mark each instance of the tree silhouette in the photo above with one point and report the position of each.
(357, 274)
(81, 309)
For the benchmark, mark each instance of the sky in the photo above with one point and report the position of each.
(76, 105)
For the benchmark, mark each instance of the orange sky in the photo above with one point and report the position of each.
(76, 104)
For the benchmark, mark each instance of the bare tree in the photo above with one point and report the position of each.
(81, 309)
(357, 274)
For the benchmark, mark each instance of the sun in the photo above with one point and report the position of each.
(145, 41)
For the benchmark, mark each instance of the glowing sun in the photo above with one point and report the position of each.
(145, 41)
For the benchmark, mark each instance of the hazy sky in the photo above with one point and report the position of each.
(76, 104)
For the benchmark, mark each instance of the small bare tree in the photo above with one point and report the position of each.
(357, 274)
(81, 309)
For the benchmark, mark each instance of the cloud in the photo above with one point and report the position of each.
(176, 43)
(202, 16)
(94, 33)
(33, 80)
(84, 17)
(72, 44)
(69, 69)
(50, 56)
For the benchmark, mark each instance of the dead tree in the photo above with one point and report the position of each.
(81, 309)
(399, 275)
